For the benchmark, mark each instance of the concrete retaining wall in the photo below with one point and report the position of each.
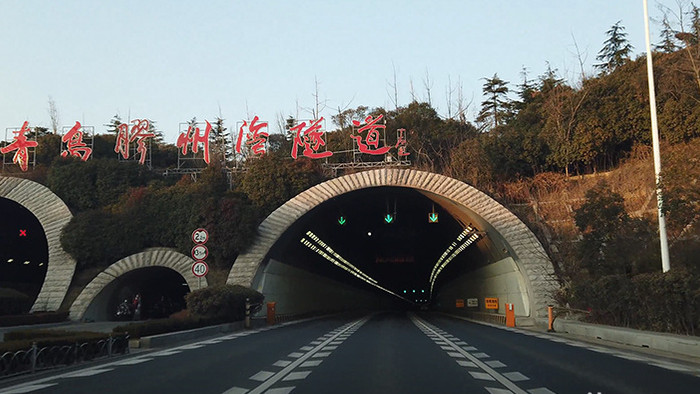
(677, 344)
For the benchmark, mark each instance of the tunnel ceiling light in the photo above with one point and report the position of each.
(10, 260)
(466, 238)
(325, 251)
(26, 262)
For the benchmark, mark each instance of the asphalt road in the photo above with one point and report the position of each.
(391, 352)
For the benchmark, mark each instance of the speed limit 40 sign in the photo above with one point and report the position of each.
(200, 268)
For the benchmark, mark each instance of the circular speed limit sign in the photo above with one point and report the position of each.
(200, 252)
(200, 268)
(200, 236)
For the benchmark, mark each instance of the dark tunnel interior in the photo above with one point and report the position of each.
(398, 251)
(24, 255)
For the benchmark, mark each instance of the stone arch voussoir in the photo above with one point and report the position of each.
(153, 257)
(54, 215)
(530, 256)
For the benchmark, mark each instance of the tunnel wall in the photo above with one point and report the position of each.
(298, 291)
(501, 279)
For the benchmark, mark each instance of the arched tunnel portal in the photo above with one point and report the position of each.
(334, 247)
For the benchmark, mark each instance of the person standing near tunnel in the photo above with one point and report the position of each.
(136, 304)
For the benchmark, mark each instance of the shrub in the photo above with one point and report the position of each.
(226, 302)
(665, 302)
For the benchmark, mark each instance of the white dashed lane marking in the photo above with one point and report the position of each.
(86, 372)
(311, 357)
(484, 370)
(133, 361)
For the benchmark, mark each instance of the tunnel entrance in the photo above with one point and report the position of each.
(482, 251)
(24, 255)
(386, 247)
(393, 235)
(161, 291)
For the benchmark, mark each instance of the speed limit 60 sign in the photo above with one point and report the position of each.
(200, 268)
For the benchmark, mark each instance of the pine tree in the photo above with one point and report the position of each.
(496, 107)
(668, 38)
(219, 142)
(616, 49)
(113, 125)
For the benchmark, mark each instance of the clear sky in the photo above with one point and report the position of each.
(171, 60)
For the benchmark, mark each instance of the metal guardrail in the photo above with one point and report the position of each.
(37, 359)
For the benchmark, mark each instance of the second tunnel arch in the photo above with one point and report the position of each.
(522, 245)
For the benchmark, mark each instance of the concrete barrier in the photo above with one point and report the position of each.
(677, 344)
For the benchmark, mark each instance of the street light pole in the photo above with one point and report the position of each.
(665, 260)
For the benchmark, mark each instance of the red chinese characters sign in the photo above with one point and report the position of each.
(138, 132)
(21, 145)
(369, 143)
(255, 136)
(74, 143)
(193, 136)
(311, 138)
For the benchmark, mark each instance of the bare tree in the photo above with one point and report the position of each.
(53, 115)
(319, 105)
(411, 90)
(394, 87)
(449, 91)
(690, 39)
(428, 85)
(462, 107)
(581, 60)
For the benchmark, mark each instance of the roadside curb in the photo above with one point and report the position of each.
(683, 348)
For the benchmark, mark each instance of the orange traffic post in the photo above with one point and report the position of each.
(271, 313)
(550, 318)
(510, 315)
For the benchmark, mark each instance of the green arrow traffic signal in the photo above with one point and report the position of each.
(341, 220)
(388, 218)
(432, 217)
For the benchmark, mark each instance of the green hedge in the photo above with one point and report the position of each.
(20, 335)
(33, 318)
(162, 326)
(226, 302)
(58, 339)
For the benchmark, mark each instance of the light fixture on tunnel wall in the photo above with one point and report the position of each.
(329, 254)
(466, 238)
